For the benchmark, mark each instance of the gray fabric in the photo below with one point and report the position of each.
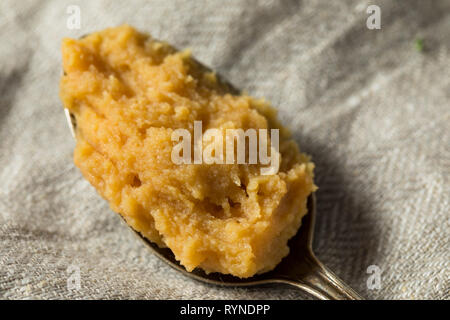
(371, 109)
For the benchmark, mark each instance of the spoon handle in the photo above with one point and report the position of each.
(321, 282)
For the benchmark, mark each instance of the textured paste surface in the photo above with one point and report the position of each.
(128, 93)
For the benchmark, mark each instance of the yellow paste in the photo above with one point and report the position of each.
(128, 93)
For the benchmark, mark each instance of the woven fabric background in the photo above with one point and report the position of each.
(372, 110)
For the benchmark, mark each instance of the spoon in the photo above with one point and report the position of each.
(300, 269)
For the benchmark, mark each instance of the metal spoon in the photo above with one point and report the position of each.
(300, 269)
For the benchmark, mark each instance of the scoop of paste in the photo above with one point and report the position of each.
(129, 94)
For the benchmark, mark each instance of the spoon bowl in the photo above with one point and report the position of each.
(300, 269)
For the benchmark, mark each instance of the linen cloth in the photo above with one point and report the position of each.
(372, 107)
